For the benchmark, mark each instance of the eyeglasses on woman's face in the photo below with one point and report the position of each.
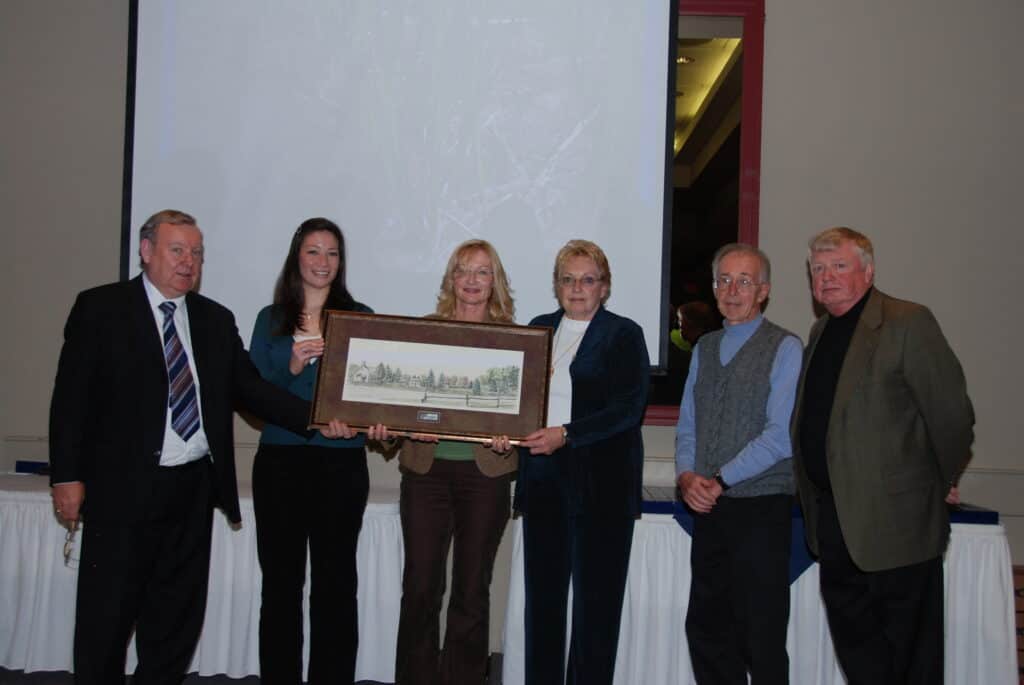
(461, 273)
(586, 281)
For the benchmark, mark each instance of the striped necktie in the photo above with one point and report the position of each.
(181, 394)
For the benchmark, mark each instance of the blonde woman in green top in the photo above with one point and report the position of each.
(453, 493)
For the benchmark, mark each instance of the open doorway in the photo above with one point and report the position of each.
(707, 127)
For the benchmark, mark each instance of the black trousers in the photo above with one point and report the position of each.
(887, 626)
(739, 595)
(150, 575)
(589, 550)
(451, 506)
(309, 497)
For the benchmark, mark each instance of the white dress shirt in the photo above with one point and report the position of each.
(176, 451)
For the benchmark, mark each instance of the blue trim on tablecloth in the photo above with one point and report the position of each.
(658, 507)
(799, 555)
(968, 513)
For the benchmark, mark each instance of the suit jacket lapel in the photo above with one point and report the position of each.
(197, 331)
(858, 356)
(145, 325)
(592, 335)
(151, 357)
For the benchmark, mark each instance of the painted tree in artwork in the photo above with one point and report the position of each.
(499, 380)
(512, 376)
(492, 380)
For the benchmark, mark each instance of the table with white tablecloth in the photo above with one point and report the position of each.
(980, 639)
(37, 599)
(37, 590)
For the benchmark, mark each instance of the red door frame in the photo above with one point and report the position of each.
(752, 13)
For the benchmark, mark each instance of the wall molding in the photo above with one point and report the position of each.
(26, 438)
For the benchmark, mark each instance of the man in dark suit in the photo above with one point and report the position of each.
(141, 447)
(882, 428)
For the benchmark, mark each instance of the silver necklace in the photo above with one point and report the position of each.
(571, 347)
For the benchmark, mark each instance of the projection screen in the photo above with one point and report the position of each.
(414, 126)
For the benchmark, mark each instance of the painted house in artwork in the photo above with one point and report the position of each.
(361, 374)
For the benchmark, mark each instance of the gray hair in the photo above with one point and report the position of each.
(164, 216)
(831, 238)
(743, 248)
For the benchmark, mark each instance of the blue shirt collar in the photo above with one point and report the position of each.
(742, 330)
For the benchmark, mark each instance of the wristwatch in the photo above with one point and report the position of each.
(565, 435)
(721, 481)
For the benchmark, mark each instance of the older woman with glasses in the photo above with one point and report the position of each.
(580, 478)
(453, 492)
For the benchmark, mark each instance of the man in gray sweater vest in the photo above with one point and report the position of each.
(734, 469)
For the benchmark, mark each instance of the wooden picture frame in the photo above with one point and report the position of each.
(454, 379)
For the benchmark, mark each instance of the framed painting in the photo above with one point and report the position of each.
(454, 379)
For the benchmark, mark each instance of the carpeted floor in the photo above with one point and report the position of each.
(64, 678)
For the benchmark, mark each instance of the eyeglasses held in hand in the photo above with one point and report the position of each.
(69, 546)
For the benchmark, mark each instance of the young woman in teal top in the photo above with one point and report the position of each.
(307, 492)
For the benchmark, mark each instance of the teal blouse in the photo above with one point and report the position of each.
(271, 353)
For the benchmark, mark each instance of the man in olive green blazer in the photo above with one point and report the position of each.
(881, 430)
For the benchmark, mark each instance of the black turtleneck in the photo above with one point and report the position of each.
(820, 390)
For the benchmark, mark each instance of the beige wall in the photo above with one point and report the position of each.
(904, 120)
(900, 119)
(62, 76)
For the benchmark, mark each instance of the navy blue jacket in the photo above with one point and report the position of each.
(604, 457)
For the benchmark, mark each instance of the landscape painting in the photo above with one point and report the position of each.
(457, 380)
(428, 375)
